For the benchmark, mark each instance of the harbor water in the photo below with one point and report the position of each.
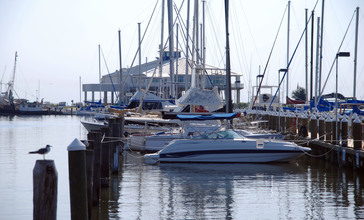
(308, 188)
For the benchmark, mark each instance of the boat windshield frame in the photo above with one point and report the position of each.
(223, 134)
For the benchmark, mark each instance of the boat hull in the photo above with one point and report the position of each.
(227, 151)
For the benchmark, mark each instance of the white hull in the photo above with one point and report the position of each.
(229, 151)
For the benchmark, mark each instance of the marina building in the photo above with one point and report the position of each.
(149, 76)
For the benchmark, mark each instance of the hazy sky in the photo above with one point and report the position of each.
(57, 41)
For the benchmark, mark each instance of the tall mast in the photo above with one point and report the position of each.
(171, 46)
(306, 54)
(288, 24)
(228, 73)
(121, 95)
(203, 46)
(187, 45)
(176, 88)
(317, 58)
(100, 71)
(194, 45)
(312, 31)
(356, 49)
(140, 59)
(11, 83)
(161, 52)
(321, 42)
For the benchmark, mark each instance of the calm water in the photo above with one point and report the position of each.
(306, 189)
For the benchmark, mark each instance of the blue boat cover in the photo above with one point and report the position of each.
(218, 116)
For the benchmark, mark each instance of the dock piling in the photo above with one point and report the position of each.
(45, 187)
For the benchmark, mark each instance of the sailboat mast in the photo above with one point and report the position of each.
(306, 54)
(312, 31)
(171, 46)
(121, 87)
(356, 50)
(288, 26)
(228, 72)
(100, 71)
(317, 57)
(161, 52)
(187, 45)
(203, 46)
(140, 59)
(321, 42)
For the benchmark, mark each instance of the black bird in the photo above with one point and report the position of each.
(42, 151)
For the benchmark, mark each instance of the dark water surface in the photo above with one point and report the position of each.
(306, 189)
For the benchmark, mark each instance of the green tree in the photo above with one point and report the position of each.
(299, 94)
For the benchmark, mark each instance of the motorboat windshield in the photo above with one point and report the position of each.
(227, 134)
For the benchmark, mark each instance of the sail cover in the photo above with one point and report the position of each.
(210, 99)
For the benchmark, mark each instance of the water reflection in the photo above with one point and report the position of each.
(308, 189)
(304, 190)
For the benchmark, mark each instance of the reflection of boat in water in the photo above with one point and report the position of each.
(242, 169)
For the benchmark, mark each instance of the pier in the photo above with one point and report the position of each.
(340, 142)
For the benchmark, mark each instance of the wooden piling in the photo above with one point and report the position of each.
(105, 158)
(357, 134)
(94, 138)
(115, 128)
(321, 128)
(313, 127)
(77, 180)
(335, 131)
(287, 120)
(45, 180)
(344, 132)
(89, 175)
(328, 129)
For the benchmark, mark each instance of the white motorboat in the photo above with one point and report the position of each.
(227, 147)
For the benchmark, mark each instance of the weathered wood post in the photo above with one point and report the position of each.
(286, 125)
(77, 180)
(322, 128)
(313, 126)
(116, 129)
(89, 174)
(357, 134)
(344, 132)
(105, 158)
(45, 179)
(328, 129)
(335, 131)
(94, 137)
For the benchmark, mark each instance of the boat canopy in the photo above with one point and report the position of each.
(219, 116)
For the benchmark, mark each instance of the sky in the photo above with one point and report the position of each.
(57, 41)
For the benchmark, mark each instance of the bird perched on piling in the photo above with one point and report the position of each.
(42, 151)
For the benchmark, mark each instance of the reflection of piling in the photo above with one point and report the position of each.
(77, 180)
(357, 134)
(45, 178)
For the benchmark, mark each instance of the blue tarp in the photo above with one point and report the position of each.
(218, 116)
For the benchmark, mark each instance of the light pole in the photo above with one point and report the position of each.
(279, 99)
(339, 54)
